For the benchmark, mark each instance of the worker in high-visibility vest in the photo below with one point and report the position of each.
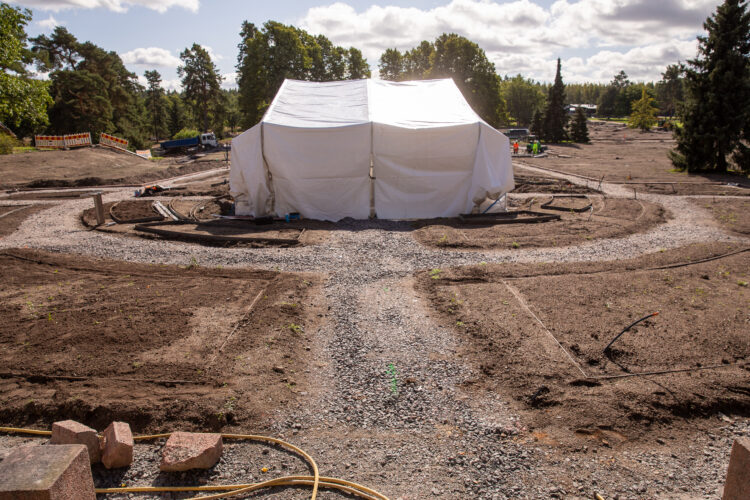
(535, 148)
(515, 148)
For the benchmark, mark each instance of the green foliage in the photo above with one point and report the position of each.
(13, 52)
(716, 114)
(537, 123)
(156, 105)
(393, 379)
(23, 101)
(186, 133)
(177, 118)
(201, 84)
(269, 55)
(92, 90)
(7, 143)
(452, 56)
(670, 90)
(555, 116)
(523, 98)
(644, 112)
(579, 130)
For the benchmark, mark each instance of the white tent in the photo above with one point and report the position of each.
(334, 149)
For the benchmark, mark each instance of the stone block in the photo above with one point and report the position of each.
(72, 432)
(117, 445)
(187, 450)
(47, 473)
(737, 485)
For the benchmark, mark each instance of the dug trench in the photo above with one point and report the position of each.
(536, 333)
(160, 347)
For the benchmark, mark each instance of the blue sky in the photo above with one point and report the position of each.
(595, 38)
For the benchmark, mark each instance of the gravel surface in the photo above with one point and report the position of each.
(389, 411)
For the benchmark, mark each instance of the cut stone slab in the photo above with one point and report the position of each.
(72, 432)
(737, 485)
(47, 473)
(117, 445)
(188, 450)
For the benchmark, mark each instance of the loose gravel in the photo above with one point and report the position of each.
(389, 411)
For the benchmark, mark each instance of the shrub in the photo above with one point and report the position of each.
(186, 133)
(7, 143)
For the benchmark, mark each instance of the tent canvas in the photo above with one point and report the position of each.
(335, 149)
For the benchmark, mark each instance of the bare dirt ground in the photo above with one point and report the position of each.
(91, 167)
(156, 346)
(512, 318)
(405, 388)
(610, 218)
(731, 214)
(11, 216)
(620, 154)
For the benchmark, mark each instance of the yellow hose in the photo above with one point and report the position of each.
(237, 489)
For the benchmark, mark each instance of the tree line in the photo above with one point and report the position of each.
(90, 89)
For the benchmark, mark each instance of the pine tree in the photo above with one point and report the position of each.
(555, 117)
(644, 112)
(579, 130)
(717, 82)
(201, 82)
(157, 112)
(537, 124)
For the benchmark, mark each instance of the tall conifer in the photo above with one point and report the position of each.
(555, 117)
(717, 83)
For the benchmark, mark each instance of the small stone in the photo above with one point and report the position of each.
(72, 432)
(737, 485)
(117, 446)
(47, 473)
(187, 450)
(278, 369)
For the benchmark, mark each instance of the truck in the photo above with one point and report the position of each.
(203, 140)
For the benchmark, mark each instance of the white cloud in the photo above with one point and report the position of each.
(151, 56)
(49, 23)
(113, 5)
(214, 56)
(230, 81)
(639, 36)
(165, 84)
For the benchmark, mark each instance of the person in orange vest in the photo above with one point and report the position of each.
(515, 148)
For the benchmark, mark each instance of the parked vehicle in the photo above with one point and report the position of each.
(204, 140)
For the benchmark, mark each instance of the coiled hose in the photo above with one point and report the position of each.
(230, 490)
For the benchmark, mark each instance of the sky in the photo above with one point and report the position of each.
(594, 38)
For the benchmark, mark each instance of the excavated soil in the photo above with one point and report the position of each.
(10, 222)
(94, 166)
(511, 318)
(157, 346)
(730, 214)
(620, 154)
(611, 218)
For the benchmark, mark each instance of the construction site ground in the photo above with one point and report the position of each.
(639, 160)
(418, 367)
(94, 166)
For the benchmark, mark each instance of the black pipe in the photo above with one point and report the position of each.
(628, 328)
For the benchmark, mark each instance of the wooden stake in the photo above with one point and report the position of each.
(99, 206)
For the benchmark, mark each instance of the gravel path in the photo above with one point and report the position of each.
(412, 433)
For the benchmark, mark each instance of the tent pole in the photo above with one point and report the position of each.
(372, 172)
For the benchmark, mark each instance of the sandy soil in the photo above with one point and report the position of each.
(156, 346)
(90, 167)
